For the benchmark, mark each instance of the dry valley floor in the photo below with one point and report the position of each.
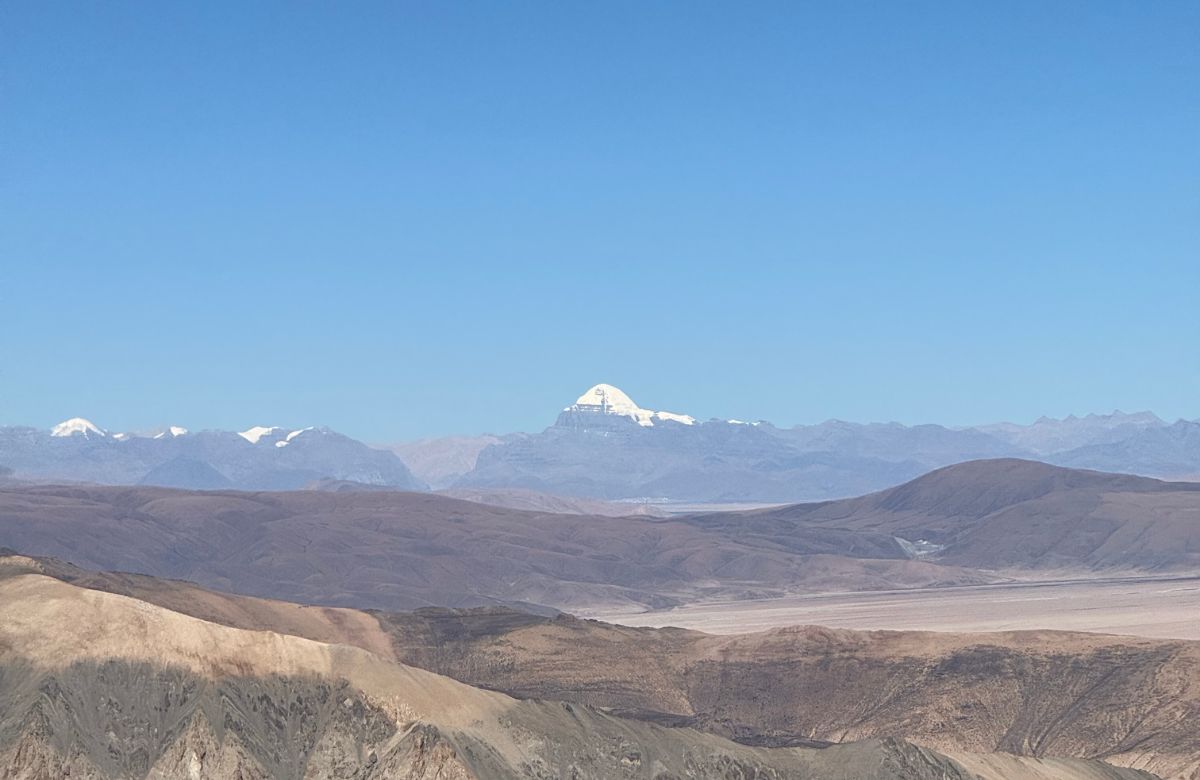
(1164, 608)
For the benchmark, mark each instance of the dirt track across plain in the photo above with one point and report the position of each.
(1149, 607)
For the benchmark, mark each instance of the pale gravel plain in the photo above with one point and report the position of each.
(1167, 608)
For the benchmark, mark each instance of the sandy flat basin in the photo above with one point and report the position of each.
(1149, 607)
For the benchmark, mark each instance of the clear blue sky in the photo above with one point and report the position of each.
(409, 219)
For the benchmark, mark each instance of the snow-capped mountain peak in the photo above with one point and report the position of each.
(172, 431)
(77, 426)
(607, 399)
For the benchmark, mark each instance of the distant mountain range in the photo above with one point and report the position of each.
(603, 446)
(606, 446)
(260, 458)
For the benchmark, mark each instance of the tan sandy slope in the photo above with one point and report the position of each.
(101, 685)
(1038, 693)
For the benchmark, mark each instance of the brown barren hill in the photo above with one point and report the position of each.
(973, 523)
(1132, 701)
(402, 550)
(1041, 694)
(1019, 514)
(97, 685)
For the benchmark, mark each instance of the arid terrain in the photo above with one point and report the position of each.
(1044, 694)
(1163, 607)
(599, 391)
(99, 685)
(403, 550)
(1065, 638)
(970, 524)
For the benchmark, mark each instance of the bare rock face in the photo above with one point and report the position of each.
(1035, 693)
(199, 753)
(423, 754)
(127, 720)
(121, 720)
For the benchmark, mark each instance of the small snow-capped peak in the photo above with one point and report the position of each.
(77, 426)
(607, 399)
(253, 435)
(172, 431)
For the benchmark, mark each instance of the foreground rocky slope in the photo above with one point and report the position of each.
(96, 685)
(1131, 701)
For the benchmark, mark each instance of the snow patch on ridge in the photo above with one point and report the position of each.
(252, 435)
(287, 439)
